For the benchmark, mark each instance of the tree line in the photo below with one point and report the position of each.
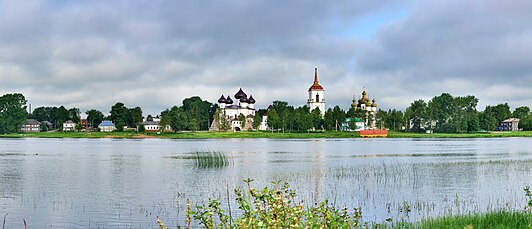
(448, 114)
(444, 113)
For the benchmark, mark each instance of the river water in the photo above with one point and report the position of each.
(116, 183)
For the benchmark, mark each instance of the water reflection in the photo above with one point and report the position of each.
(120, 183)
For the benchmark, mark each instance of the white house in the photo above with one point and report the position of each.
(107, 126)
(31, 125)
(69, 126)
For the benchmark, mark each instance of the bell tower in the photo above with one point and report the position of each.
(316, 97)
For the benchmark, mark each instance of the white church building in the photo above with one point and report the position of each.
(230, 112)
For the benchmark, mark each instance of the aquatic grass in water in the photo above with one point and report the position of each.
(210, 159)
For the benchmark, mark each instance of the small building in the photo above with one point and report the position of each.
(69, 126)
(107, 126)
(151, 126)
(359, 124)
(511, 124)
(30, 125)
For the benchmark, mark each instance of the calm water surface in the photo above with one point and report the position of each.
(108, 183)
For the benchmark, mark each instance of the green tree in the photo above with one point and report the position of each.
(74, 114)
(317, 120)
(149, 118)
(416, 114)
(487, 121)
(521, 112)
(136, 114)
(141, 128)
(120, 116)
(333, 118)
(242, 119)
(382, 117)
(59, 116)
(439, 109)
(256, 121)
(395, 120)
(273, 120)
(199, 113)
(12, 112)
(526, 123)
(94, 117)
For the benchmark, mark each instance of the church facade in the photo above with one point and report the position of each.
(316, 98)
(370, 108)
(229, 113)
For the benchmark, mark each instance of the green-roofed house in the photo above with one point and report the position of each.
(359, 124)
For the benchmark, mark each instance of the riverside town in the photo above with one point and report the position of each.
(174, 114)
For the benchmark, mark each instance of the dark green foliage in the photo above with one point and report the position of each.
(521, 112)
(74, 115)
(256, 121)
(136, 115)
(417, 114)
(242, 119)
(273, 120)
(141, 128)
(334, 118)
(12, 112)
(195, 114)
(56, 115)
(121, 116)
(94, 117)
(392, 119)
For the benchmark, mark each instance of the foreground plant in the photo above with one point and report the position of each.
(274, 207)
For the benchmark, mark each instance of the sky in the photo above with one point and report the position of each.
(155, 53)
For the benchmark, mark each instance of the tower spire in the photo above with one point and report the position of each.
(315, 75)
(316, 85)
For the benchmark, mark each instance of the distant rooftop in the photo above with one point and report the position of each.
(106, 123)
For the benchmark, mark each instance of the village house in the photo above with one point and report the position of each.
(69, 126)
(107, 126)
(31, 125)
(511, 124)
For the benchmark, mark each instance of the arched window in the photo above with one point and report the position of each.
(317, 98)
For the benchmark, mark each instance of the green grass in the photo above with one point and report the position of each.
(486, 220)
(186, 135)
(400, 134)
(259, 134)
(210, 159)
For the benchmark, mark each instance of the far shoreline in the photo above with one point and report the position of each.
(258, 134)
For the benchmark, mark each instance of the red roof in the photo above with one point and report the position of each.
(316, 85)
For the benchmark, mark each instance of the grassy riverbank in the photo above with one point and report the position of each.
(257, 134)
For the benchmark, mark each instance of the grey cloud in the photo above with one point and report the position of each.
(457, 46)
(154, 54)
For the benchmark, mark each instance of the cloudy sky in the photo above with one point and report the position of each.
(153, 54)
